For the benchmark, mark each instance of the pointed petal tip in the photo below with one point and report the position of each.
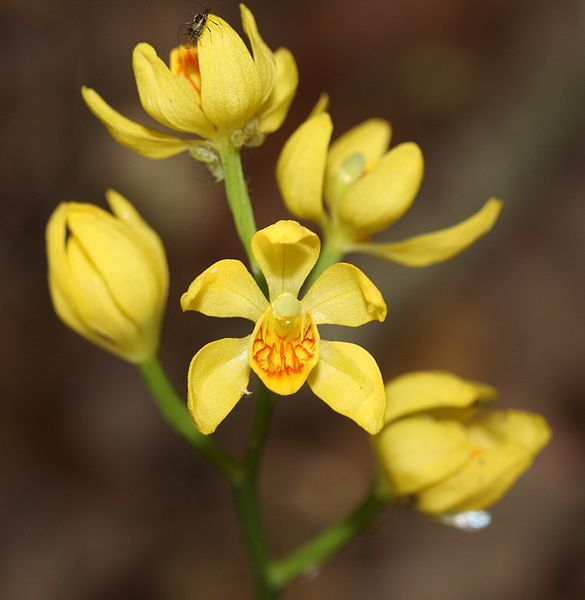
(437, 246)
(322, 105)
(185, 301)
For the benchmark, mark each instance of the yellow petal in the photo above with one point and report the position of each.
(231, 87)
(431, 248)
(110, 327)
(275, 109)
(370, 140)
(226, 289)
(488, 495)
(124, 210)
(428, 390)
(343, 295)
(218, 377)
(263, 57)
(164, 98)
(144, 140)
(386, 193)
(286, 253)
(348, 379)
(59, 276)
(301, 168)
(482, 481)
(118, 255)
(283, 351)
(419, 451)
(528, 430)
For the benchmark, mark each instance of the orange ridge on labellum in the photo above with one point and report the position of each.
(187, 66)
(475, 451)
(280, 355)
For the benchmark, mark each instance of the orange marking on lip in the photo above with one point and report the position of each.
(476, 451)
(280, 355)
(187, 66)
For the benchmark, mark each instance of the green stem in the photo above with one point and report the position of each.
(174, 410)
(262, 417)
(239, 201)
(246, 501)
(330, 254)
(245, 485)
(246, 496)
(327, 543)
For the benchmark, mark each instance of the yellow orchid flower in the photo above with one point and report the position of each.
(108, 276)
(285, 348)
(366, 189)
(439, 446)
(216, 90)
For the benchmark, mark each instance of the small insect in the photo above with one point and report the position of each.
(190, 31)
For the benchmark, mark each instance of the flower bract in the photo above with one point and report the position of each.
(108, 276)
(285, 348)
(356, 187)
(447, 447)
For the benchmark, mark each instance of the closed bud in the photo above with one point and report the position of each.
(108, 276)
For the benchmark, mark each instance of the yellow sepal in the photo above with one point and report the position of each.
(218, 378)
(419, 451)
(226, 289)
(231, 86)
(275, 108)
(429, 390)
(94, 302)
(124, 210)
(286, 252)
(118, 256)
(430, 248)
(485, 496)
(300, 170)
(348, 379)
(528, 430)
(263, 56)
(482, 481)
(343, 295)
(59, 278)
(144, 140)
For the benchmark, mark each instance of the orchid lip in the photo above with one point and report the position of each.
(284, 349)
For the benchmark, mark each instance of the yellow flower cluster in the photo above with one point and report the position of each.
(437, 437)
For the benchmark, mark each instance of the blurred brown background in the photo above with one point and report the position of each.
(100, 499)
